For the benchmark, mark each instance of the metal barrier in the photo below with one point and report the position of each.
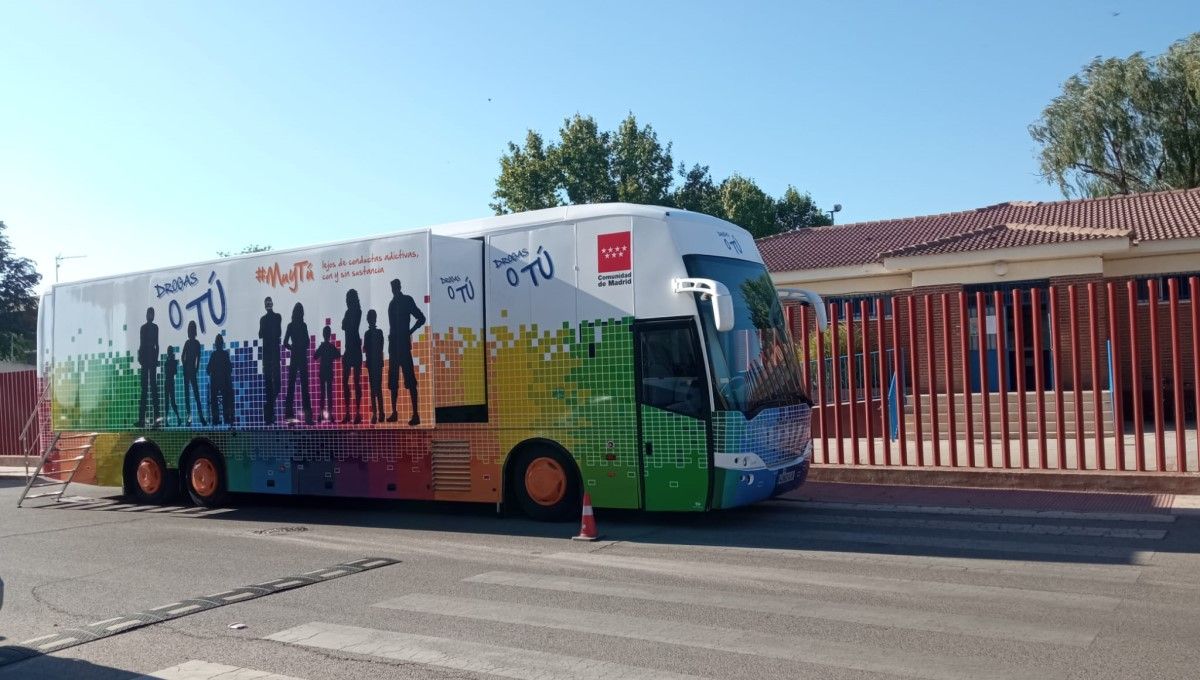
(18, 394)
(1099, 375)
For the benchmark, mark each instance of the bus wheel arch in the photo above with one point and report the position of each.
(202, 473)
(145, 477)
(543, 480)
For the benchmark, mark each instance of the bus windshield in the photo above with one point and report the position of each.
(753, 365)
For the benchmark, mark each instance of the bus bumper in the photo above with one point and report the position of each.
(734, 488)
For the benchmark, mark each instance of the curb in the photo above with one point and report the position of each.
(1050, 480)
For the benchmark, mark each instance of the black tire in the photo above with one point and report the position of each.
(135, 484)
(216, 463)
(564, 509)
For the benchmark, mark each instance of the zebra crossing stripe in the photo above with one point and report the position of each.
(843, 581)
(982, 527)
(121, 624)
(203, 670)
(981, 544)
(1148, 517)
(464, 655)
(1113, 573)
(938, 622)
(802, 649)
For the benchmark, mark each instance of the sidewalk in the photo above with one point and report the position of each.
(964, 497)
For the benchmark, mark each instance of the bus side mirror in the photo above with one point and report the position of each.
(715, 293)
(809, 298)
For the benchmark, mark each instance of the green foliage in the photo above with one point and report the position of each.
(588, 165)
(18, 303)
(847, 338)
(528, 178)
(641, 167)
(761, 300)
(795, 210)
(1124, 126)
(583, 159)
(747, 206)
(697, 193)
(246, 250)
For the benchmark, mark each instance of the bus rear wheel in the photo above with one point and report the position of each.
(146, 477)
(203, 474)
(546, 484)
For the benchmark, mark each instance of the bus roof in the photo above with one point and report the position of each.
(462, 229)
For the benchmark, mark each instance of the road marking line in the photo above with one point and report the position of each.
(984, 512)
(464, 655)
(1114, 573)
(985, 527)
(841, 581)
(203, 670)
(758, 643)
(71, 636)
(888, 617)
(981, 544)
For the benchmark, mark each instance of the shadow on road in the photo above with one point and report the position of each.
(780, 525)
(54, 668)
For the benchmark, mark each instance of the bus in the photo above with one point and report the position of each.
(639, 354)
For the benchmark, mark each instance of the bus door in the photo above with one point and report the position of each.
(673, 415)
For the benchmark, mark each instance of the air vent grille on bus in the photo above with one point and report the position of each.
(451, 465)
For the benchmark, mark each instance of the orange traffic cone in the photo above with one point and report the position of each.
(587, 527)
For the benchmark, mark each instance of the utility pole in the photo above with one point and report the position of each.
(58, 260)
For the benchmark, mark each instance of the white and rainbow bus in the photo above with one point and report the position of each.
(637, 353)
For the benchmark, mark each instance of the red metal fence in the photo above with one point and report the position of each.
(18, 394)
(1100, 375)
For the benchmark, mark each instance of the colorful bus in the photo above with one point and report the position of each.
(636, 353)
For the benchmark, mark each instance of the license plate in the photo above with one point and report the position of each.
(786, 476)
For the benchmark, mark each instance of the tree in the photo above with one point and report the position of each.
(1177, 110)
(583, 158)
(18, 303)
(246, 250)
(589, 165)
(795, 210)
(641, 167)
(697, 193)
(1124, 126)
(747, 206)
(528, 177)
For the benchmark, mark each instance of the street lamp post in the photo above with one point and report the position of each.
(58, 260)
(837, 207)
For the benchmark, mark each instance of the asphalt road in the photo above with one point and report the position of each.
(781, 590)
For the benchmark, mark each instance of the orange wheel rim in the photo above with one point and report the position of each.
(149, 476)
(545, 481)
(204, 477)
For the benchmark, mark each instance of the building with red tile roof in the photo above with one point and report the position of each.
(1008, 282)
(1114, 236)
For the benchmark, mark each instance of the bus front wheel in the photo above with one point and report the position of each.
(546, 484)
(203, 474)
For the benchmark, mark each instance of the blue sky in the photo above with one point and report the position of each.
(146, 134)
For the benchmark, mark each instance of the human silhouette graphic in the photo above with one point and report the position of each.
(191, 373)
(296, 342)
(148, 361)
(269, 331)
(326, 355)
(401, 310)
(352, 357)
(170, 405)
(374, 348)
(220, 383)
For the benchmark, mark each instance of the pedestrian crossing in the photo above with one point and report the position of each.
(647, 609)
(114, 505)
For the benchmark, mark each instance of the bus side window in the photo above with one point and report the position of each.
(672, 375)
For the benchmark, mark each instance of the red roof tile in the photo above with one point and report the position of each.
(1145, 217)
